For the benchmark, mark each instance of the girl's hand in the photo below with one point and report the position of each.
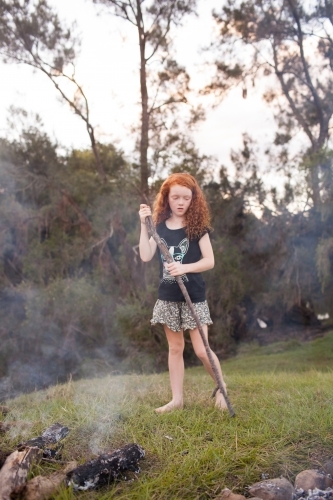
(175, 268)
(144, 212)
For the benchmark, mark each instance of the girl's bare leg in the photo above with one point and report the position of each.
(176, 369)
(200, 351)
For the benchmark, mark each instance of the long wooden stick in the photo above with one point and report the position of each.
(169, 259)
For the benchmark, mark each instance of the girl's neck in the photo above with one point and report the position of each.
(175, 222)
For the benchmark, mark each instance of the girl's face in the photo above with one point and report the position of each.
(180, 198)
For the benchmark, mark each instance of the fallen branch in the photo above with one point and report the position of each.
(41, 487)
(165, 252)
(15, 470)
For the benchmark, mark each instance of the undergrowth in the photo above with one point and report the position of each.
(282, 395)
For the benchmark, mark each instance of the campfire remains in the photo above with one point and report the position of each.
(100, 471)
(13, 474)
(108, 467)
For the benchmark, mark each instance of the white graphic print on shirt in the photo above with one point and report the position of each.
(178, 253)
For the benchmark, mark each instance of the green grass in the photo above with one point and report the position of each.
(290, 356)
(283, 399)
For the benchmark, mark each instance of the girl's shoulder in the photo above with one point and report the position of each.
(206, 230)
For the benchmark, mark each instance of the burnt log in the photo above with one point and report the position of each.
(15, 470)
(48, 441)
(41, 487)
(106, 468)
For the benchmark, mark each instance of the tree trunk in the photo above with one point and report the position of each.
(144, 141)
(315, 186)
(94, 147)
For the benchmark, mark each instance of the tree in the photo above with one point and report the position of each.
(31, 33)
(290, 43)
(168, 86)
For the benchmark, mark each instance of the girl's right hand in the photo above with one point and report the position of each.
(144, 212)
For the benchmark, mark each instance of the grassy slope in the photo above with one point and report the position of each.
(282, 395)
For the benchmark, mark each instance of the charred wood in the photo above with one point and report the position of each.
(41, 487)
(15, 470)
(106, 468)
(48, 441)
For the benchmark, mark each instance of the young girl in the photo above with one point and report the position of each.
(182, 220)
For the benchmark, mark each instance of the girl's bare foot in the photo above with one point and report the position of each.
(220, 402)
(171, 406)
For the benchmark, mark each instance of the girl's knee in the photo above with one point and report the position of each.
(176, 347)
(201, 354)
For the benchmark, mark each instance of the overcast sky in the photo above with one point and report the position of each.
(108, 67)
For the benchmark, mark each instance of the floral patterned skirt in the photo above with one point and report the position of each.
(177, 315)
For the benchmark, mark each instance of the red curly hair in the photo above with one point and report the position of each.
(197, 216)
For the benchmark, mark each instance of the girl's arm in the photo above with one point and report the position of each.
(207, 261)
(147, 247)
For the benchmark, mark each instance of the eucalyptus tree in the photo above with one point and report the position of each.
(165, 87)
(290, 44)
(31, 33)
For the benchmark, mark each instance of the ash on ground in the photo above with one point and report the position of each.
(315, 494)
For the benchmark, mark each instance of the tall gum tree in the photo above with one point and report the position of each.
(291, 42)
(153, 21)
(31, 33)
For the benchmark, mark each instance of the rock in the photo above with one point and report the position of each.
(227, 494)
(273, 489)
(311, 479)
(328, 467)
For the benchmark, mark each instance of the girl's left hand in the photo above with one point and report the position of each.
(175, 268)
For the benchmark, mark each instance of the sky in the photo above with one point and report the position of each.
(108, 69)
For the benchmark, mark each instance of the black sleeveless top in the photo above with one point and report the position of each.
(185, 252)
